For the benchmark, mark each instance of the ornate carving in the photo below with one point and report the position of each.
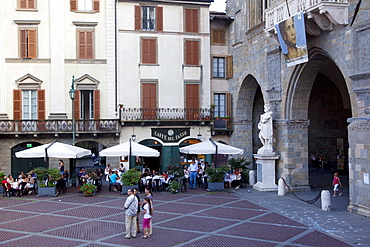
(292, 124)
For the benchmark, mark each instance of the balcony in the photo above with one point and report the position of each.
(59, 126)
(321, 14)
(168, 116)
(222, 126)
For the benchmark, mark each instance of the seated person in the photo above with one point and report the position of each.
(82, 175)
(7, 186)
(227, 180)
(114, 179)
(121, 169)
(238, 177)
(30, 184)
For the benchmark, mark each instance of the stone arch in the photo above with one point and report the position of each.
(302, 79)
(244, 103)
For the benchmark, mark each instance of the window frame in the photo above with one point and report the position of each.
(28, 54)
(194, 60)
(218, 67)
(85, 30)
(151, 59)
(220, 40)
(151, 21)
(32, 108)
(218, 112)
(191, 24)
(95, 6)
(27, 4)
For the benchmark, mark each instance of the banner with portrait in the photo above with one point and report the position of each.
(292, 38)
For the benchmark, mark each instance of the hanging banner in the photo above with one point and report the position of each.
(292, 39)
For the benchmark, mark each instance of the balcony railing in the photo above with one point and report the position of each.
(59, 126)
(164, 114)
(323, 12)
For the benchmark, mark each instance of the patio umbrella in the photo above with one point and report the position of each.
(129, 149)
(54, 150)
(210, 147)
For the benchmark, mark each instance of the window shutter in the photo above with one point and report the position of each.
(196, 52)
(145, 50)
(17, 104)
(159, 23)
(89, 45)
(31, 4)
(191, 52)
(41, 104)
(77, 105)
(73, 5)
(222, 36)
(137, 17)
(152, 51)
(85, 39)
(195, 18)
(23, 4)
(81, 45)
(149, 100)
(187, 20)
(31, 43)
(191, 20)
(228, 110)
(96, 104)
(23, 43)
(229, 67)
(96, 6)
(192, 101)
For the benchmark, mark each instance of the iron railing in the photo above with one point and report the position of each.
(59, 126)
(163, 114)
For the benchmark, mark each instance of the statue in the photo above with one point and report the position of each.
(266, 132)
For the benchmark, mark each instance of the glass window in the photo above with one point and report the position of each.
(87, 104)
(29, 108)
(218, 67)
(85, 5)
(148, 18)
(220, 102)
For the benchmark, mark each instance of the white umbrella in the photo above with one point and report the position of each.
(125, 149)
(54, 150)
(210, 147)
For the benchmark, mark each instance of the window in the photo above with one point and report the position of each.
(218, 67)
(191, 52)
(27, 4)
(85, 5)
(148, 18)
(28, 104)
(85, 45)
(220, 104)
(149, 51)
(149, 100)
(191, 20)
(255, 12)
(28, 43)
(87, 104)
(218, 36)
(192, 100)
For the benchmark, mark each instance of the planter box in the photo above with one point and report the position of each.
(125, 188)
(47, 191)
(1, 189)
(215, 187)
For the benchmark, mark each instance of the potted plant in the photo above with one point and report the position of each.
(46, 180)
(130, 179)
(174, 187)
(216, 178)
(88, 189)
(120, 105)
(213, 106)
(226, 118)
(218, 118)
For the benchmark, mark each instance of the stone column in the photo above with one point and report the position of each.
(292, 145)
(358, 165)
(3, 99)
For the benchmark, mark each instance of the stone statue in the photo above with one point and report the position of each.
(266, 132)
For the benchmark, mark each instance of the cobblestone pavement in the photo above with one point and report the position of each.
(193, 218)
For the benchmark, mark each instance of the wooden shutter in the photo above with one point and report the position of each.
(137, 17)
(17, 104)
(191, 52)
(149, 51)
(85, 45)
(159, 22)
(41, 104)
(23, 43)
(228, 110)
(96, 104)
(32, 43)
(77, 105)
(149, 100)
(31, 4)
(73, 5)
(218, 36)
(23, 4)
(191, 20)
(96, 6)
(192, 101)
(229, 67)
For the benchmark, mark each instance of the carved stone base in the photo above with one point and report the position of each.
(266, 172)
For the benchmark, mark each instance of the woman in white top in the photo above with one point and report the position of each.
(148, 212)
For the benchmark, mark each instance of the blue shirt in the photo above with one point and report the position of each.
(113, 178)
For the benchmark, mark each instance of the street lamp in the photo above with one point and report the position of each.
(72, 95)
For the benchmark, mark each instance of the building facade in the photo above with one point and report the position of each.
(319, 106)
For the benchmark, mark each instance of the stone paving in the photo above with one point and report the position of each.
(193, 218)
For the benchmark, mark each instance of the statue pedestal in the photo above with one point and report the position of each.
(266, 171)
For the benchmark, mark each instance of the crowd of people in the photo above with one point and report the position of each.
(19, 186)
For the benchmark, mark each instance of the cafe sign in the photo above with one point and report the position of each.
(170, 135)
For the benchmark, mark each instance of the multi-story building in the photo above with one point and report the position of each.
(320, 106)
(164, 76)
(43, 44)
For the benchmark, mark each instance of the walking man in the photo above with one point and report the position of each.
(131, 206)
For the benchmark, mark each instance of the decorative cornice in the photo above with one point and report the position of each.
(27, 22)
(291, 124)
(85, 23)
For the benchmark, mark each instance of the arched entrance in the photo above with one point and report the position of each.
(249, 105)
(317, 108)
(154, 163)
(25, 164)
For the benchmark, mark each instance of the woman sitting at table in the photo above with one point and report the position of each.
(30, 184)
(237, 178)
(10, 179)
(7, 186)
(22, 184)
